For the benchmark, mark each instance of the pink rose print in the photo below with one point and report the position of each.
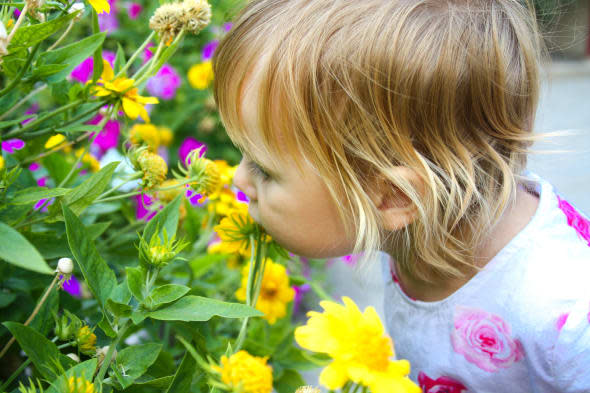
(561, 320)
(440, 385)
(575, 220)
(484, 339)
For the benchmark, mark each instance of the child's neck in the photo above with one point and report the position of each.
(512, 222)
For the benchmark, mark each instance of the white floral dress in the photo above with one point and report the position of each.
(520, 325)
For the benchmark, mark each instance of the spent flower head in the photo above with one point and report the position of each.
(153, 166)
(190, 15)
(204, 173)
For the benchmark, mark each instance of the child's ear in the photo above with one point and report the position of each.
(395, 207)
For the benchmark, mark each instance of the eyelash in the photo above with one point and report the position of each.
(257, 171)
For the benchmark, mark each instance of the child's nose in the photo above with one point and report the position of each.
(243, 180)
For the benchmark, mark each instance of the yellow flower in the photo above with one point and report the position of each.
(145, 133)
(275, 292)
(133, 103)
(100, 6)
(86, 340)
(200, 75)
(80, 385)
(235, 230)
(166, 135)
(224, 202)
(358, 345)
(220, 247)
(89, 160)
(1, 163)
(226, 172)
(54, 141)
(250, 373)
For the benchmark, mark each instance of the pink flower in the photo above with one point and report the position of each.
(35, 166)
(133, 10)
(164, 83)
(440, 385)
(227, 26)
(42, 181)
(561, 320)
(109, 22)
(142, 210)
(484, 339)
(73, 287)
(108, 138)
(575, 220)
(147, 53)
(83, 72)
(209, 50)
(240, 196)
(32, 110)
(188, 145)
(194, 198)
(12, 145)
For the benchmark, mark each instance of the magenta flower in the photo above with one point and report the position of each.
(209, 50)
(42, 181)
(227, 26)
(35, 166)
(42, 205)
(142, 204)
(147, 53)
(16, 13)
(194, 198)
(240, 196)
(188, 145)
(109, 22)
(133, 10)
(12, 145)
(108, 138)
(164, 83)
(32, 110)
(73, 287)
(83, 72)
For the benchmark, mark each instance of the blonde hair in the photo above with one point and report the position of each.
(448, 89)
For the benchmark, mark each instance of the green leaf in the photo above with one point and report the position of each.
(71, 55)
(132, 362)
(121, 293)
(197, 308)
(289, 382)
(100, 278)
(167, 218)
(97, 229)
(16, 249)
(79, 198)
(138, 316)
(45, 70)
(118, 309)
(33, 34)
(106, 327)
(166, 294)
(79, 128)
(119, 59)
(202, 264)
(57, 166)
(7, 298)
(184, 376)
(135, 282)
(42, 352)
(9, 123)
(43, 322)
(34, 194)
(85, 369)
(158, 383)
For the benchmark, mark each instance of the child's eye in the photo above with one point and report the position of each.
(257, 171)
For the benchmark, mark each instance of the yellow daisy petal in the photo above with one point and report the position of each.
(334, 376)
(131, 108)
(100, 6)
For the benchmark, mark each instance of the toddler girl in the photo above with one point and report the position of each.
(403, 126)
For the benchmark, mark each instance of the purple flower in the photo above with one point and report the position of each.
(194, 198)
(83, 71)
(147, 53)
(227, 26)
(35, 166)
(42, 205)
(73, 287)
(133, 10)
(300, 291)
(16, 13)
(109, 22)
(142, 211)
(108, 138)
(32, 110)
(12, 145)
(188, 145)
(42, 181)
(209, 50)
(164, 83)
(240, 196)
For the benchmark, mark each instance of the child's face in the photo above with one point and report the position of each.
(295, 209)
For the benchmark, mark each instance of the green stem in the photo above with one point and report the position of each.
(22, 71)
(152, 63)
(133, 193)
(15, 374)
(20, 20)
(134, 176)
(40, 120)
(134, 56)
(60, 39)
(107, 359)
(22, 101)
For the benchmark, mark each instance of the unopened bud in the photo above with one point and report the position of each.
(3, 39)
(77, 7)
(74, 357)
(207, 124)
(65, 266)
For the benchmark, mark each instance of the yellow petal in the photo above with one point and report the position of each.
(107, 71)
(100, 6)
(334, 376)
(131, 108)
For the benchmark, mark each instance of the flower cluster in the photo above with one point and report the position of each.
(359, 347)
(245, 373)
(153, 167)
(171, 18)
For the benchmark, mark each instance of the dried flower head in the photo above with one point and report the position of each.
(167, 21)
(307, 389)
(196, 15)
(153, 166)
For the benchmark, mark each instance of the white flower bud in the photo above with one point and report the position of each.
(77, 7)
(74, 357)
(65, 266)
